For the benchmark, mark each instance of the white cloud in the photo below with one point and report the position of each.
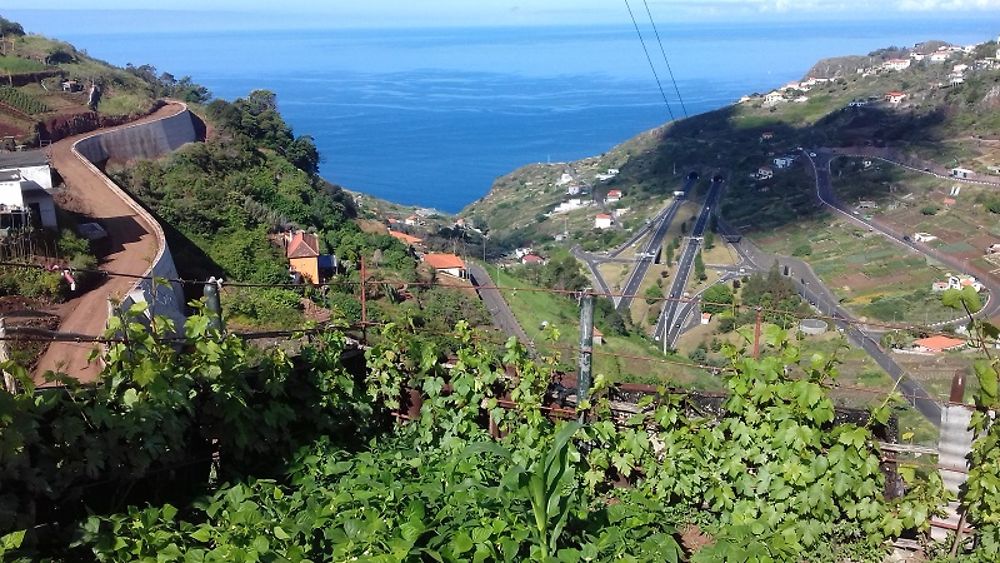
(947, 5)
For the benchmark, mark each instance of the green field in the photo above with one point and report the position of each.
(643, 363)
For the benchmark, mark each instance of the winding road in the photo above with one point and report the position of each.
(827, 196)
(811, 287)
(131, 239)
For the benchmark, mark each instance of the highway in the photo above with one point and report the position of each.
(823, 300)
(669, 324)
(652, 247)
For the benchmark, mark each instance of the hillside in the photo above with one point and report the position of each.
(46, 89)
(228, 205)
(944, 113)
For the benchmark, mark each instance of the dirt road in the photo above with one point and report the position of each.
(132, 246)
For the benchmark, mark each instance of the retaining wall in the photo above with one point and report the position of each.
(145, 141)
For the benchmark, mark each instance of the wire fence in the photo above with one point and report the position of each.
(26, 334)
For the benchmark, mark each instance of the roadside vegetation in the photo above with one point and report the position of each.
(313, 466)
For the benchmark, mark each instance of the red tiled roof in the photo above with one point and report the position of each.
(532, 259)
(939, 343)
(405, 238)
(303, 245)
(603, 216)
(614, 193)
(444, 261)
(597, 332)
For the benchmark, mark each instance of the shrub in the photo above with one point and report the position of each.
(929, 209)
(263, 306)
(804, 249)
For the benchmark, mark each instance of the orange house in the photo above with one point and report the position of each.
(304, 256)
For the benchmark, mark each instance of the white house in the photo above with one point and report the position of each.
(706, 318)
(993, 249)
(963, 173)
(939, 57)
(765, 173)
(614, 196)
(895, 97)
(784, 161)
(26, 190)
(939, 286)
(611, 173)
(566, 178)
(573, 189)
(959, 68)
(896, 64)
(924, 237)
(962, 281)
(774, 98)
(603, 221)
(570, 205)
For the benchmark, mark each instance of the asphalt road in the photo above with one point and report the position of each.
(826, 195)
(668, 325)
(645, 258)
(503, 317)
(820, 297)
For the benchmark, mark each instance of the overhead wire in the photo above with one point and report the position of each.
(864, 326)
(665, 60)
(649, 59)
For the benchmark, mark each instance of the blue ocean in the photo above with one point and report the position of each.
(432, 116)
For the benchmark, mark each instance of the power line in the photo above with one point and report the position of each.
(736, 308)
(650, 61)
(667, 62)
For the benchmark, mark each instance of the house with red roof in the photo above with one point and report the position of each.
(304, 257)
(938, 344)
(532, 260)
(895, 97)
(449, 264)
(406, 239)
(614, 196)
(603, 221)
(598, 337)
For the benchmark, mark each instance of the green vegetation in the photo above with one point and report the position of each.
(312, 469)
(21, 101)
(717, 299)
(15, 65)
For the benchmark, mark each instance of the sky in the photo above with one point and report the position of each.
(250, 14)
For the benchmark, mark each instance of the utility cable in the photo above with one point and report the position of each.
(650, 61)
(667, 62)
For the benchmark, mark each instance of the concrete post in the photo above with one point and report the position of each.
(213, 304)
(586, 348)
(8, 380)
(954, 447)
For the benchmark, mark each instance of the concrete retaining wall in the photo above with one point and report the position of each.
(144, 141)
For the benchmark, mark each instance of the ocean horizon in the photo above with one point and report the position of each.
(430, 117)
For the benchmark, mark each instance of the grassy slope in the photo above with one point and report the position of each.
(622, 358)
